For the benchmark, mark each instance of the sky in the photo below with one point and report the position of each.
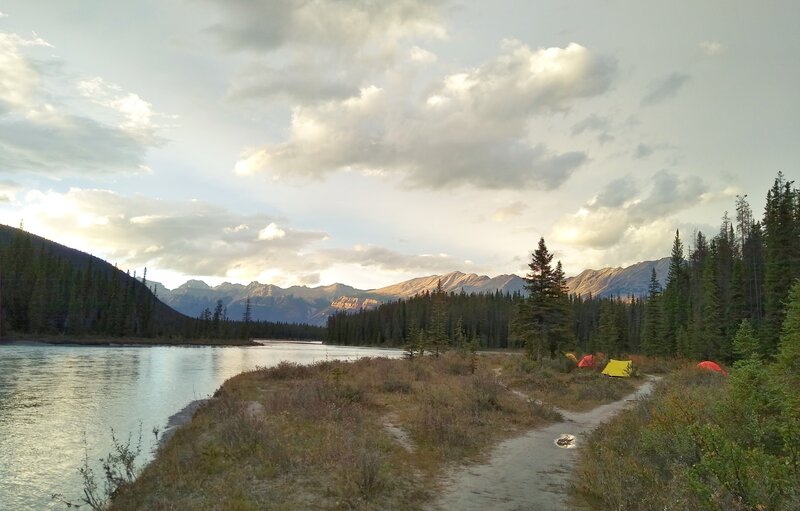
(308, 142)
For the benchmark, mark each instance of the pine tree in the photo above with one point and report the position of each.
(782, 254)
(789, 348)
(652, 318)
(608, 331)
(459, 338)
(745, 344)
(542, 319)
(713, 343)
(216, 319)
(247, 318)
(437, 334)
(676, 303)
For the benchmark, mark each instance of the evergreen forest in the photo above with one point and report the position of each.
(50, 289)
(739, 276)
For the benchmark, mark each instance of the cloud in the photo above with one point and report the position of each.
(196, 238)
(523, 81)
(345, 24)
(138, 117)
(664, 89)
(386, 259)
(605, 220)
(39, 133)
(271, 232)
(643, 151)
(311, 51)
(712, 48)
(593, 122)
(469, 129)
(669, 193)
(189, 237)
(302, 81)
(309, 279)
(421, 56)
(506, 213)
(616, 193)
(8, 191)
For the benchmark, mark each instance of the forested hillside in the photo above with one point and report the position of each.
(741, 273)
(47, 288)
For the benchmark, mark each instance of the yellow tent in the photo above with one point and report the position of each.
(571, 356)
(622, 368)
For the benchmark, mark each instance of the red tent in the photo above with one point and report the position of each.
(712, 366)
(586, 361)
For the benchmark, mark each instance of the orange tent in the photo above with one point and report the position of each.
(586, 361)
(712, 366)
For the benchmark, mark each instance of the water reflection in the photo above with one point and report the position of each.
(50, 396)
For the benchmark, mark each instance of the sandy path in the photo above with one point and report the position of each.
(528, 472)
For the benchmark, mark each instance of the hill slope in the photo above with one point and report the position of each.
(633, 280)
(54, 290)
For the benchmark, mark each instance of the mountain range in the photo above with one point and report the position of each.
(301, 304)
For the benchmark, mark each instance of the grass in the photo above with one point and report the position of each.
(560, 383)
(701, 442)
(370, 434)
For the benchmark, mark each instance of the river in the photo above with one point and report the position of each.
(57, 402)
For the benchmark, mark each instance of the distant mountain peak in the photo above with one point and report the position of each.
(619, 281)
(314, 304)
(194, 284)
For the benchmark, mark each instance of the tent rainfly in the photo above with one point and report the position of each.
(586, 361)
(620, 368)
(711, 366)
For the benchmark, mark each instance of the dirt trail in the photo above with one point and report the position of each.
(528, 472)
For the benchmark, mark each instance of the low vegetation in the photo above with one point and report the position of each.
(559, 382)
(370, 434)
(705, 441)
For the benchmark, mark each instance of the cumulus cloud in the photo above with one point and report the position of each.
(201, 239)
(190, 237)
(618, 210)
(470, 128)
(271, 232)
(137, 115)
(8, 191)
(664, 89)
(712, 48)
(616, 193)
(320, 50)
(421, 56)
(38, 132)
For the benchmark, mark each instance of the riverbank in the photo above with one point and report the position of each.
(370, 434)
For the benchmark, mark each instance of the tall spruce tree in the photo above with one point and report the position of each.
(542, 319)
(676, 300)
(712, 343)
(652, 318)
(437, 333)
(782, 256)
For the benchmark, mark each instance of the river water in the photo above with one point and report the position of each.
(58, 402)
